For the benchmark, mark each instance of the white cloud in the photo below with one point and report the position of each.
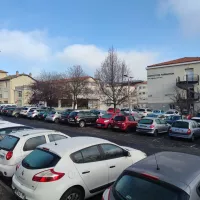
(24, 45)
(91, 56)
(187, 13)
(36, 51)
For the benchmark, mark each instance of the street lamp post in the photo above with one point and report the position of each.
(129, 103)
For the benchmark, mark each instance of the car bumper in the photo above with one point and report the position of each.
(180, 135)
(49, 119)
(99, 125)
(40, 193)
(7, 170)
(64, 120)
(141, 130)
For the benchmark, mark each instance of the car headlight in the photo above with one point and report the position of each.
(106, 121)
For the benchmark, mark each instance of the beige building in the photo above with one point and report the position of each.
(164, 79)
(14, 89)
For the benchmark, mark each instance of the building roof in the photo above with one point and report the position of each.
(7, 78)
(1, 71)
(173, 166)
(177, 61)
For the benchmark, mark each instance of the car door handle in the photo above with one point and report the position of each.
(112, 166)
(86, 172)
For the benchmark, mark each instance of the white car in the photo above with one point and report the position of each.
(16, 146)
(171, 112)
(8, 127)
(24, 111)
(76, 168)
(33, 113)
(143, 112)
(54, 116)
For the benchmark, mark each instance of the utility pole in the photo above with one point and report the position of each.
(129, 103)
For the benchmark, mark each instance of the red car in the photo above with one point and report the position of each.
(124, 123)
(111, 110)
(105, 121)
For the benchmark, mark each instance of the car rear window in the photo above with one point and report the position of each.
(73, 114)
(146, 121)
(170, 112)
(180, 124)
(119, 118)
(107, 116)
(197, 120)
(110, 109)
(130, 187)
(40, 159)
(25, 109)
(9, 142)
(141, 110)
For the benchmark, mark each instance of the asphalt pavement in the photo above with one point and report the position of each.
(146, 143)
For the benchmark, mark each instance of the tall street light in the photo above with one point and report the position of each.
(129, 103)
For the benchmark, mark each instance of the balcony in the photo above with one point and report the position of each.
(187, 81)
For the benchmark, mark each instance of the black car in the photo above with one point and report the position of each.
(64, 116)
(82, 118)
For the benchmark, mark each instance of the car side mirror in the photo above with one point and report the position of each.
(126, 153)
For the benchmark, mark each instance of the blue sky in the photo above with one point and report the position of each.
(53, 35)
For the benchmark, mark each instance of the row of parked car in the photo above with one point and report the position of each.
(47, 164)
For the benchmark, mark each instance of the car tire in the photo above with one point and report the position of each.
(192, 138)
(155, 134)
(73, 193)
(56, 120)
(82, 124)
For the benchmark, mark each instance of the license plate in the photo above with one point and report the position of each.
(19, 194)
(71, 120)
(98, 124)
(116, 127)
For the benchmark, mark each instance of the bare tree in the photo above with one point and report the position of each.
(48, 88)
(180, 100)
(77, 83)
(111, 78)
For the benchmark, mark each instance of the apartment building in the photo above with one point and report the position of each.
(164, 79)
(14, 89)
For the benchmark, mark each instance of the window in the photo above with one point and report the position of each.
(40, 159)
(8, 143)
(131, 187)
(146, 121)
(180, 124)
(77, 157)
(158, 121)
(91, 154)
(140, 93)
(163, 122)
(55, 137)
(1, 96)
(19, 93)
(119, 118)
(143, 93)
(194, 125)
(144, 87)
(111, 151)
(32, 143)
(131, 118)
(149, 110)
(140, 87)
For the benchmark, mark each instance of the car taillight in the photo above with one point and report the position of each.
(9, 155)
(149, 176)
(47, 176)
(152, 126)
(17, 167)
(189, 132)
(76, 117)
(170, 130)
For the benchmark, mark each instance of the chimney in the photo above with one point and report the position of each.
(17, 73)
(30, 74)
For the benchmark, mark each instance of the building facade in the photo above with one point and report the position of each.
(164, 79)
(14, 89)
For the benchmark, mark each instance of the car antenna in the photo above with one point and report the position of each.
(157, 167)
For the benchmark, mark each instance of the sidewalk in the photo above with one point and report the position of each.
(5, 192)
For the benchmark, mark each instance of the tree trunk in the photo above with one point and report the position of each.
(115, 107)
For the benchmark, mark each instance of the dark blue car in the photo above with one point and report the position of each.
(171, 119)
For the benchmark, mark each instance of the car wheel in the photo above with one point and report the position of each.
(73, 194)
(81, 124)
(155, 134)
(56, 120)
(109, 126)
(192, 138)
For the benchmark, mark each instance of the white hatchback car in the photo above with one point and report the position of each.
(16, 146)
(76, 168)
(24, 111)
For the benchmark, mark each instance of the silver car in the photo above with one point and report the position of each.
(188, 129)
(152, 126)
(33, 113)
(53, 116)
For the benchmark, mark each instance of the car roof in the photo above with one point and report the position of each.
(174, 167)
(72, 145)
(5, 124)
(195, 117)
(185, 120)
(30, 132)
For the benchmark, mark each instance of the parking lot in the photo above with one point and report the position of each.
(148, 144)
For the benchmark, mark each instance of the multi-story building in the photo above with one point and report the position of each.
(14, 88)
(164, 79)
